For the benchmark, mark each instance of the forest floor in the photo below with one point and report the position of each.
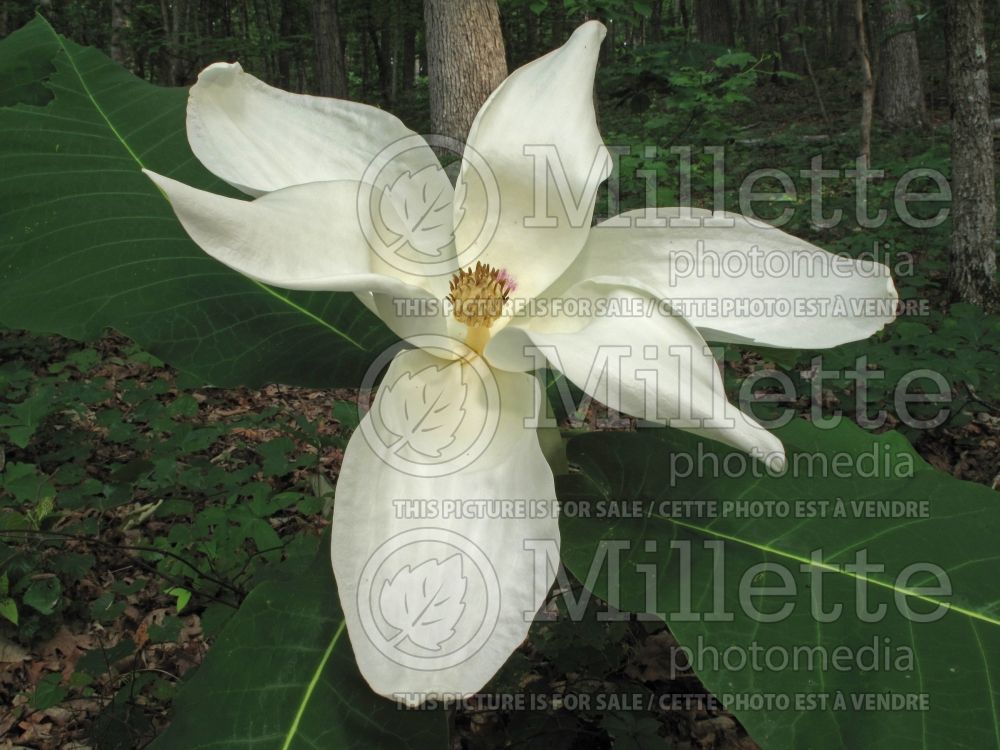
(120, 627)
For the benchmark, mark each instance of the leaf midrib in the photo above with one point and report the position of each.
(135, 157)
(828, 567)
(304, 703)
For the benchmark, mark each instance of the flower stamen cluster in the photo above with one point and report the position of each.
(478, 295)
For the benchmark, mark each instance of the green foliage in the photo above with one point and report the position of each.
(49, 693)
(960, 524)
(89, 242)
(282, 675)
(199, 506)
(961, 347)
(958, 342)
(632, 731)
(105, 444)
(672, 87)
(215, 494)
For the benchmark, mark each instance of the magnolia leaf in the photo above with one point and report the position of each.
(425, 603)
(88, 242)
(432, 409)
(282, 676)
(903, 662)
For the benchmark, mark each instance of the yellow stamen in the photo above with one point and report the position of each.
(478, 297)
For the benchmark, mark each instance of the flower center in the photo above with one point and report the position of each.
(478, 296)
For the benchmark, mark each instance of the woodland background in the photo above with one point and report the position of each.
(138, 510)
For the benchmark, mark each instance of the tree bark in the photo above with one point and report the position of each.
(119, 21)
(409, 55)
(714, 19)
(846, 35)
(331, 72)
(173, 20)
(867, 83)
(748, 23)
(899, 95)
(656, 22)
(381, 42)
(812, 76)
(286, 29)
(785, 21)
(465, 61)
(972, 276)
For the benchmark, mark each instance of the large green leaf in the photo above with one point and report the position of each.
(282, 677)
(89, 242)
(956, 659)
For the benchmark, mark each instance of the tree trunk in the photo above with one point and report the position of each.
(807, 61)
(899, 95)
(867, 83)
(381, 41)
(369, 65)
(656, 22)
(173, 15)
(409, 61)
(714, 19)
(531, 43)
(119, 21)
(331, 72)
(748, 23)
(820, 45)
(785, 21)
(465, 61)
(972, 276)
(845, 35)
(286, 29)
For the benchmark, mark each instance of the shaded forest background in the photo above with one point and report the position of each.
(101, 641)
(375, 50)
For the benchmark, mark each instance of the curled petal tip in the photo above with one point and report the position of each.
(220, 72)
(591, 30)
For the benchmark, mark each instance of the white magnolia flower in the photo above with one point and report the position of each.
(435, 606)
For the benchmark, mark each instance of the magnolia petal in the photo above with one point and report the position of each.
(745, 283)
(259, 139)
(652, 366)
(436, 602)
(543, 109)
(303, 237)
